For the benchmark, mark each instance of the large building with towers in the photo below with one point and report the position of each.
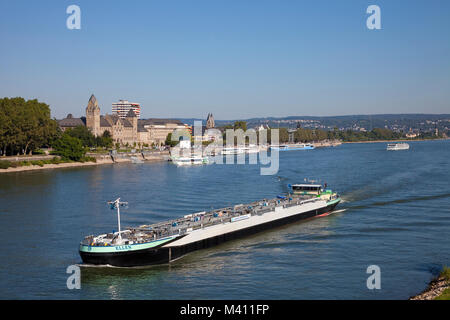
(125, 129)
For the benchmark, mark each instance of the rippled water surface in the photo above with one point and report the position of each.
(395, 214)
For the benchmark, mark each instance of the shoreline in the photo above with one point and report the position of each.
(401, 140)
(71, 165)
(435, 288)
(106, 160)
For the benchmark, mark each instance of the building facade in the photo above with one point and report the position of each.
(208, 132)
(126, 130)
(70, 122)
(210, 121)
(122, 108)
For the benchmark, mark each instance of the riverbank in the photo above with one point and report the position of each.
(438, 289)
(100, 160)
(54, 166)
(393, 141)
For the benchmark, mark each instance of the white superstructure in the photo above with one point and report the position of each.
(232, 150)
(190, 161)
(397, 146)
(247, 221)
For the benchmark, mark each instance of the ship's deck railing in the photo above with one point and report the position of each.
(208, 219)
(181, 226)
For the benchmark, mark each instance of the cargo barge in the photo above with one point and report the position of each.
(164, 242)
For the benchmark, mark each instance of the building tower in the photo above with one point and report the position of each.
(93, 116)
(210, 121)
(132, 118)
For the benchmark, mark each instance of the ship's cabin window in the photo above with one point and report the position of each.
(307, 188)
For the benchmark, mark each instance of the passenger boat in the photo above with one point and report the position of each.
(190, 161)
(292, 147)
(166, 241)
(240, 150)
(252, 149)
(397, 146)
(232, 150)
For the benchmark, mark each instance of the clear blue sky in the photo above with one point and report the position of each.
(236, 59)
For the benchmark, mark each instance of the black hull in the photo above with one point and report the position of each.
(162, 255)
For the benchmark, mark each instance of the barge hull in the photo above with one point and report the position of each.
(166, 253)
(179, 251)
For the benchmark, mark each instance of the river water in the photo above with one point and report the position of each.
(395, 214)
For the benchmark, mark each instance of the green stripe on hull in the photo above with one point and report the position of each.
(125, 247)
(333, 201)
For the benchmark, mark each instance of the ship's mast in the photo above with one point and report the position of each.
(116, 205)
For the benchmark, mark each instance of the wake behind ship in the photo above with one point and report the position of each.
(166, 241)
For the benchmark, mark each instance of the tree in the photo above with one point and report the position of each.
(169, 141)
(69, 148)
(84, 134)
(240, 125)
(283, 135)
(105, 140)
(25, 125)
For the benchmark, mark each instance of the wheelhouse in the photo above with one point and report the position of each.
(307, 189)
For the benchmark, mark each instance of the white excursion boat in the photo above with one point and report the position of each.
(184, 155)
(252, 149)
(397, 146)
(241, 149)
(292, 147)
(232, 150)
(189, 161)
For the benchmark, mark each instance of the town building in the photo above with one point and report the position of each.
(266, 127)
(412, 135)
(70, 122)
(208, 132)
(122, 108)
(127, 130)
(157, 130)
(210, 121)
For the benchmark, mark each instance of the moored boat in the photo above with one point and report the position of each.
(232, 150)
(397, 146)
(190, 161)
(293, 147)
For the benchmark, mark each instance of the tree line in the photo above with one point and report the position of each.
(305, 135)
(26, 126)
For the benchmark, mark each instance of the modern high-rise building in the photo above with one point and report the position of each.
(122, 108)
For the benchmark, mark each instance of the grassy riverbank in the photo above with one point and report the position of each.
(5, 164)
(56, 163)
(438, 289)
(445, 295)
